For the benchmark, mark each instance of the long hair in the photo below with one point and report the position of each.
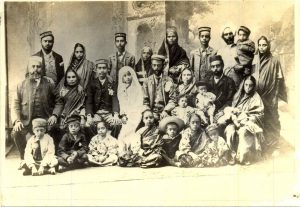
(77, 77)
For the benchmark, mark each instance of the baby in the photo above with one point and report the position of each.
(205, 104)
(216, 152)
(183, 111)
(245, 51)
(103, 148)
(39, 152)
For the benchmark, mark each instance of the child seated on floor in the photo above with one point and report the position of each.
(216, 151)
(170, 127)
(39, 152)
(182, 111)
(103, 148)
(205, 106)
(72, 149)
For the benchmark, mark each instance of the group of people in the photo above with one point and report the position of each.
(213, 108)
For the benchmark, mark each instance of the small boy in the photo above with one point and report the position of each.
(39, 152)
(72, 149)
(205, 106)
(171, 127)
(103, 148)
(245, 51)
(216, 152)
(183, 110)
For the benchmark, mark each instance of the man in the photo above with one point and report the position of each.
(229, 54)
(101, 101)
(35, 98)
(53, 64)
(158, 88)
(219, 84)
(200, 57)
(120, 58)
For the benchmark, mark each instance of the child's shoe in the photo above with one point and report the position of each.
(61, 168)
(52, 171)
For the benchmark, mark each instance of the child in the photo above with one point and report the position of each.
(245, 51)
(73, 147)
(171, 127)
(216, 152)
(205, 107)
(39, 152)
(103, 148)
(183, 110)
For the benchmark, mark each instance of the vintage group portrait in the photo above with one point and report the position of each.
(149, 103)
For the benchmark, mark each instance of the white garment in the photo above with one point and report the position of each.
(130, 101)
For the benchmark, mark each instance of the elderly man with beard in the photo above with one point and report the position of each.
(158, 88)
(229, 54)
(35, 98)
(52, 64)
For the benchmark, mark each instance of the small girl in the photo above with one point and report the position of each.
(183, 111)
(216, 152)
(73, 147)
(39, 152)
(103, 148)
(205, 107)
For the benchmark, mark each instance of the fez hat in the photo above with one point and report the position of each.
(201, 83)
(73, 118)
(202, 29)
(158, 57)
(171, 119)
(216, 57)
(245, 29)
(36, 58)
(45, 34)
(39, 122)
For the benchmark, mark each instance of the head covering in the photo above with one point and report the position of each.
(239, 96)
(45, 34)
(36, 58)
(120, 34)
(231, 26)
(158, 57)
(211, 127)
(215, 58)
(39, 122)
(201, 83)
(74, 63)
(245, 29)
(73, 118)
(101, 61)
(76, 74)
(170, 119)
(202, 29)
(147, 47)
(171, 29)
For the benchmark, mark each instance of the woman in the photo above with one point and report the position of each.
(130, 96)
(270, 86)
(176, 55)
(192, 142)
(72, 94)
(246, 123)
(82, 66)
(144, 68)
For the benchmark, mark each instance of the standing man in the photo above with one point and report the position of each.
(53, 64)
(158, 88)
(229, 54)
(200, 57)
(35, 98)
(219, 84)
(120, 58)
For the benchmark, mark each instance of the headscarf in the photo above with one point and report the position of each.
(74, 63)
(240, 95)
(143, 64)
(262, 57)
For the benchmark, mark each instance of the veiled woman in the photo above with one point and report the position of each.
(130, 96)
(176, 55)
(247, 123)
(270, 86)
(82, 66)
(144, 68)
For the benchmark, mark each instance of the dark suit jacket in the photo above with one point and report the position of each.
(23, 101)
(224, 91)
(59, 64)
(100, 97)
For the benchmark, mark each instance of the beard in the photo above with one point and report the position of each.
(218, 73)
(47, 49)
(229, 41)
(157, 72)
(35, 75)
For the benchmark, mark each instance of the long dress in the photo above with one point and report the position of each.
(130, 101)
(270, 86)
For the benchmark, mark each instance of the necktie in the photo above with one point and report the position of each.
(37, 153)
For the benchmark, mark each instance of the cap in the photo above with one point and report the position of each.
(245, 29)
(201, 83)
(215, 57)
(158, 57)
(202, 29)
(39, 122)
(211, 127)
(101, 61)
(45, 34)
(120, 34)
(73, 118)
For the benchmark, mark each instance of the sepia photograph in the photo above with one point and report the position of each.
(149, 103)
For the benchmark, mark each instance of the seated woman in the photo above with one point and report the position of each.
(244, 133)
(143, 67)
(192, 142)
(176, 55)
(82, 66)
(187, 86)
(72, 94)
